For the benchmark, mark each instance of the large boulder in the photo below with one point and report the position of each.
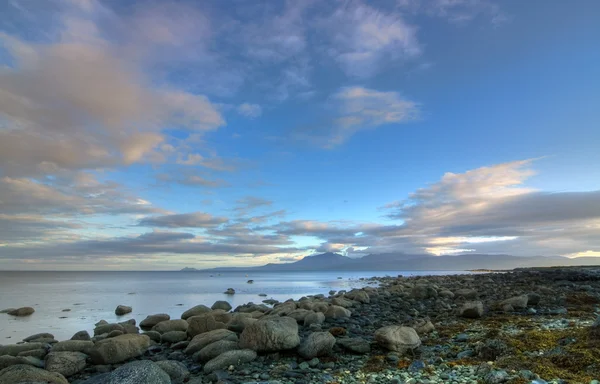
(342, 302)
(195, 311)
(272, 334)
(317, 344)
(108, 328)
(215, 349)
(471, 310)
(222, 304)
(7, 361)
(397, 338)
(299, 315)
(120, 348)
(176, 370)
(138, 372)
(236, 358)
(171, 325)
(203, 323)
(73, 346)
(239, 321)
(27, 374)
(173, 337)
(81, 335)
(202, 340)
(66, 363)
(518, 302)
(15, 349)
(284, 309)
(39, 336)
(466, 293)
(122, 310)
(151, 320)
(359, 295)
(314, 318)
(21, 312)
(356, 345)
(337, 312)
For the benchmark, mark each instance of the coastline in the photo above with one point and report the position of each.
(514, 327)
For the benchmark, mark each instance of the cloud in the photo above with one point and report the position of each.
(250, 203)
(363, 39)
(191, 180)
(249, 110)
(183, 220)
(457, 11)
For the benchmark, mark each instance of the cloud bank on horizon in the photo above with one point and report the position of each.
(157, 135)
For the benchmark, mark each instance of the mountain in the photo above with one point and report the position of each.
(186, 269)
(406, 262)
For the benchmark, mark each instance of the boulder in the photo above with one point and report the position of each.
(471, 310)
(173, 337)
(195, 311)
(215, 349)
(154, 336)
(423, 326)
(108, 328)
(38, 336)
(203, 323)
(122, 310)
(120, 348)
(533, 298)
(397, 338)
(316, 344)
(314, 318)
(171, 325)
(235, 358)
(446, 294)
(21, 312)
(66, 363)
(27, 374)
(240, 321)
(176, 370)
(358, 295)
(299, 315)
(356, 345)
(272, 334)
(82, 346)
(7, 361)
(337, 312)
(342, 302)
(284, 309)
(37, 353)
(15, 349)
(7, 310)
(138, 372)
(229, 291)
(221, 316)
(151, 320)
(517, 302)
(202, 340)
(222, 304)
(81, 335)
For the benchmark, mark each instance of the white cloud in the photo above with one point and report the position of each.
(249, 110)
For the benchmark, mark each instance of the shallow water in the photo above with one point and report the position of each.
(93, 296)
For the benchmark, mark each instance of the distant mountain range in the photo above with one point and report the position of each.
(405, 262)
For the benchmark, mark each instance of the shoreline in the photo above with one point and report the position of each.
(513, 327)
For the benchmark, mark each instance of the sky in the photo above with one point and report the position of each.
(157, 135)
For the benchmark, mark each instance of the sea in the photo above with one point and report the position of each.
(68, 302)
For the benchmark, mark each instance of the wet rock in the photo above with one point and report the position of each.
(471, 310)
(337, 312)
(533, 298)
(119, 349)
(229, 291)
(37, 353)
(176, 370)
(81, 336)
(221, 304)
(203, 323)
(518, 302)
(171, 325)
(359, 295)
(108, 328)
(173, 337)
(8, 361)
(151, 320)
(356, 345)
(38, 336)
(15, 349)
(316, 344)
(66, 363)
(466, 293)
(240, 321)
(314, 318)
(215, 349)
(397, 338)
(138, 372)
(269, 335)
(28, 374)
(73, 346)
(21, 312)
(153, 335)
(195, 311)
(122, 310)
(202, 340)
(226, 359)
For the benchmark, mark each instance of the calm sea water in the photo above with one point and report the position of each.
(93, 296)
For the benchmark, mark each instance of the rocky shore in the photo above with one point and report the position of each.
(527, 326)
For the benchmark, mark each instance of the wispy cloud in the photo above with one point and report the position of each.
(249, 110)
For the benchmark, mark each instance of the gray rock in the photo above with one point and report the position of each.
(518, 302)
(15, 349)
(119, 349)
(337, 312)
(39, 336)
(467, 293)
(173, 337)
(341, 302)
(203, 323)
(65, 363)
(299, 315)
(240, 321)
(314, 318)
(73, 346)
(471, 310)
(533, 298)
(139, 372)
(272, 334)
(151, 320)
(176, 370)
(108, 328)
(7, 361)
(195, 311)
(221, 304)
(358, 295)
(202, 340)
(27, 374)
(316, 344)
(122, 310)
(153, 335)
(226, 359)
(115, 333)
(215, 349)
(397, 338)
(37, 353)
(356, 345)
(21, 312)
(81, 335)
(171, 325)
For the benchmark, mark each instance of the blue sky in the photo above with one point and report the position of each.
(156, 135)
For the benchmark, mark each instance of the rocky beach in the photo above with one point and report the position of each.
(525, 326)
